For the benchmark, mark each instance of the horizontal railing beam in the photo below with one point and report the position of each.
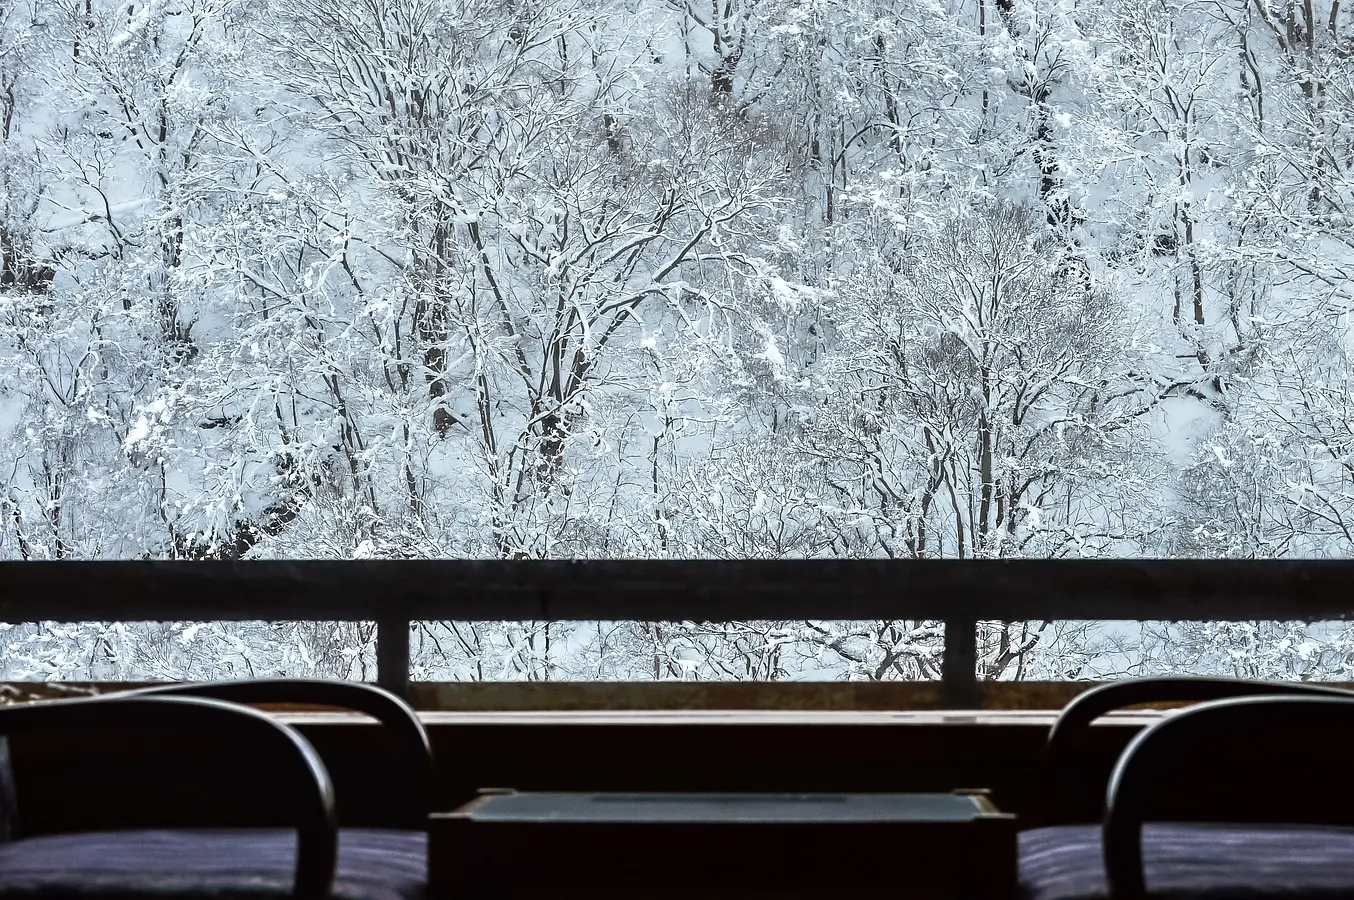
(651, 591)
(394, 593)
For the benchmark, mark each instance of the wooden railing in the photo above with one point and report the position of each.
(395, 593)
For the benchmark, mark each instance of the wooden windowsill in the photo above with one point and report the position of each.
(679, 718)
(607, 698)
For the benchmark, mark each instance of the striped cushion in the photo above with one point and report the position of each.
(373, 864)
(1219, 862)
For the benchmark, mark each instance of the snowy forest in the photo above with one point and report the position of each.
(676, 279)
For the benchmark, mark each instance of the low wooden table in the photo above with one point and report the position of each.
(929, 846)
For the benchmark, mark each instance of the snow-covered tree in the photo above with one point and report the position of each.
(674, 278)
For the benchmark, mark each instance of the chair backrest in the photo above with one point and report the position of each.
(1067, 777)
(96, 764)
(404, 780)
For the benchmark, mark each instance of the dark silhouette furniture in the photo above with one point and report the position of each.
(1244, 795)
(724, 845)
(275, 770)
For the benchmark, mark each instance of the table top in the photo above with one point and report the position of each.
(623, 807)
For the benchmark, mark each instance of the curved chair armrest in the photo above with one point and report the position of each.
(1175, 771)
(398, 718)
(1073, 722)
(312, 794)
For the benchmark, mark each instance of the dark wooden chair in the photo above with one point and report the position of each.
(296, 861)
(383, 848)
(1213, 801)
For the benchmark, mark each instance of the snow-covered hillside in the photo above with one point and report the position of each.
(675, 278)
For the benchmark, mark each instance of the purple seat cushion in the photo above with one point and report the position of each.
(373, 864)
(6, 793)
(1219, 862)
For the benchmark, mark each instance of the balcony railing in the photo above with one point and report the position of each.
(396, 593)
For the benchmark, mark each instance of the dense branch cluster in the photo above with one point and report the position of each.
(675, 278)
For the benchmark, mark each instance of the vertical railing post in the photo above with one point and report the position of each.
(392, 656)
(959, 665)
